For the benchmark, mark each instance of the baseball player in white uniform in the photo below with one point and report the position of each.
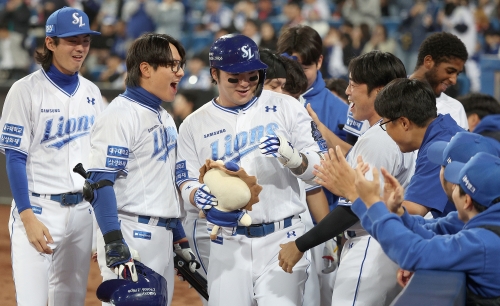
(46, 122)
(244, 267)
(132, 164)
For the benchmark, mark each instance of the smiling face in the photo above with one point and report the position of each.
(235, 89)
(362, 102)
(162, 82)
(441, 76)
(69, 54)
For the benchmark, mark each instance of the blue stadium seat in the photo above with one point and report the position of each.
(200, 40)
(392, 25)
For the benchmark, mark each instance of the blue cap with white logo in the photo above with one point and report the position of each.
(67, 22)
(461, 148)
(478, 177)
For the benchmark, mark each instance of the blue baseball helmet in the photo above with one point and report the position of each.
(236, 53)
(149, 290)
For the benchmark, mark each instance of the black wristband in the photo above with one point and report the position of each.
(336, 222)
(112, 236)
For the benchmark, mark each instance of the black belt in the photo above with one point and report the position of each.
(66, 199)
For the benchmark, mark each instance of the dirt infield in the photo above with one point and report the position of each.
(182, 294)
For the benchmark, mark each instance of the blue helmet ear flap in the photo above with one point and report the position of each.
(149, 290)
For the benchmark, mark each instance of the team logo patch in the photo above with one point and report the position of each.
(247, 52)
(10, 141)
(36, 210)
(13, 129)
(142, 235)
(50, 28)
(118, 151)
(77, 19)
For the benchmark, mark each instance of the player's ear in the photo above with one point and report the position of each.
(145, 69)
(50, 43)
(213, 72)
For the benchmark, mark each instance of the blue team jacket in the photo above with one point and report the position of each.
(446, 243)
(330, 109)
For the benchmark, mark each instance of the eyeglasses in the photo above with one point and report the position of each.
(176, 65)
(382, 124)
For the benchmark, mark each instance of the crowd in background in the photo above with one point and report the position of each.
(348, 28)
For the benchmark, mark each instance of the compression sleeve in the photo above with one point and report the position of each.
(104, 203)
(178, 232)
(18, 179)
(338, 220)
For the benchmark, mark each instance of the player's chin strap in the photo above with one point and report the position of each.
(89, 187)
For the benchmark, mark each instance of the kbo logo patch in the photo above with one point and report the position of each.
(49, 28)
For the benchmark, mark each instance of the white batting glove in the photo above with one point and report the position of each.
(330, 258)
(183, 250)
(281, 148)
(203, 198)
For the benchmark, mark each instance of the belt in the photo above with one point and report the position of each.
(264, 229)
(66, 199)
(162, 222)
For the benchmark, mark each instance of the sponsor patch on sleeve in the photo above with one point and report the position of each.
(116, 163)
(10, 140)
(13, 129)
(118, 151)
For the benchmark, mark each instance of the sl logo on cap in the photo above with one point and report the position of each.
(78, 20)
(247, 52)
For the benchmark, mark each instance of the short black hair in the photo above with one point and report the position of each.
(153, 49)
(338, 85)
(442, 47)
(376, 69)
(296, 79)
(480, 104)
(408, 98)
(303, 40)
(275, 64)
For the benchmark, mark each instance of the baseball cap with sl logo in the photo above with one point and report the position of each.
(67, 22)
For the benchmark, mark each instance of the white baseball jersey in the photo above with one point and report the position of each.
(379, 150)
(233, 135)
(52, 128)
(138, 143)
(447, 105)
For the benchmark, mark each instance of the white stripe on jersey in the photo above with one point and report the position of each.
(139, 143)
(52, 128)
(225, 134)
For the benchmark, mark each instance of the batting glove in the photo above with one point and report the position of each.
(118, 258)
(183, 250)
(330, 258)
(281, 148)
(203, 198)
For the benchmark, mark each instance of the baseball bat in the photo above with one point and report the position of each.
(195, 279)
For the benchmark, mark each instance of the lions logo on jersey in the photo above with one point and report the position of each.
(242, 144)
(165, 140)
(66, 130)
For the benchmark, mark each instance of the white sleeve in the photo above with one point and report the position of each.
(111, 141)
(301, 138)
(188, 165)
(16, 120)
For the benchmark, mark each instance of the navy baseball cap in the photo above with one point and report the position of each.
(461, 148)
(67, 22)
(478, 177)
